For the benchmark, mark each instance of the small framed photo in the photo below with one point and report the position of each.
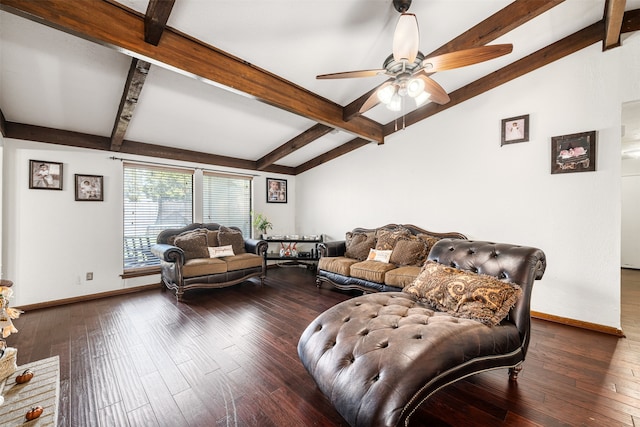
(89, 188)
(515, 129)
(44, 175)
(276, 190)
(573, 153)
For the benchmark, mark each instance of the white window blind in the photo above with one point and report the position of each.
(155, 198)
(227, 201)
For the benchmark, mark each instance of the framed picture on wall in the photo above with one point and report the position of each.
(515, 129)
(89, 188)
(45, 175)
(573, 153)
(276, 190)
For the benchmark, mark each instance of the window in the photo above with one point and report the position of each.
(227, 200)
(155, 198)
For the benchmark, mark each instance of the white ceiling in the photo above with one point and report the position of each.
(53, 79)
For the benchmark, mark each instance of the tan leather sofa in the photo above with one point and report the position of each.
(202, 256)
(344, 264)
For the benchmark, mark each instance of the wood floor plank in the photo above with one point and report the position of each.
(227, 357)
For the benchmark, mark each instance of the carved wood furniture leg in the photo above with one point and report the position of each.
(513, 372)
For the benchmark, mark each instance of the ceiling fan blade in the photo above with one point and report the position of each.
(462, 58)
(406, 38)
(433, 88)
(373, 100)
(352, 74)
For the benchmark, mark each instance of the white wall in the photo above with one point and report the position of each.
(449, 173)
(630, 245)
(50, 241)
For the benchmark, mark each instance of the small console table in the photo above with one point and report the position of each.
(307, 257)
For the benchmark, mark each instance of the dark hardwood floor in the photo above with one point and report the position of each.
(228, 358)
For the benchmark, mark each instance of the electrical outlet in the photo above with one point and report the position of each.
(89, 276)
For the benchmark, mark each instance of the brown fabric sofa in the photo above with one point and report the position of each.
(378, 357)
(208, 256)
(344, 263)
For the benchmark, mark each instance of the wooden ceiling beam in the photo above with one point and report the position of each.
(3, 124)
(613, 15)
(112, 26)
(95, 142)
(571, 44)
(292, 145)
(133, 86)
(155, 20)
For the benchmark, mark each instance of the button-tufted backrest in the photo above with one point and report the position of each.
(511, 263)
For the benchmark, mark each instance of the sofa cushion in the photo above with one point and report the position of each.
(242, 261)
(372, 271)
(194, 245)
(359, 244)
(463, 293)
(412, 251)
(212, 238)
(220, 251)
(336, 264)
(386, 238)
(401, 276)
(379, 255)
(203, 267)
(230, 236)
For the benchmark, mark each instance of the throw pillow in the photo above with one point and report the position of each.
(464, 294)
(411, 251)
(429, 240)
(379, 255)
(220, 251)
(387, 238)
(233, 237)
(358, 245)
(194, 245)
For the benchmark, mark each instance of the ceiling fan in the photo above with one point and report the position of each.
(410, 70)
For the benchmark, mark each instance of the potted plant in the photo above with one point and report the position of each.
(261, 223)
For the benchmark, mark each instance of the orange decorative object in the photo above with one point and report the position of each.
(34, 413)
(24, 377)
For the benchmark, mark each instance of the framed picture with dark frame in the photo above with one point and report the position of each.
(515, 129)
(45, 175)
(573, 153)
(89, 188)
(276, 190)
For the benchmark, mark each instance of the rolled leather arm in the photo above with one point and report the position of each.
(168, 253)
(254, 246)
(335, 248)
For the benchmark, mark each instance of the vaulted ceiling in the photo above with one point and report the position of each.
(232, 82)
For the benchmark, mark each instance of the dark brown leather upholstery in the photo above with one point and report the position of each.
(378, 356)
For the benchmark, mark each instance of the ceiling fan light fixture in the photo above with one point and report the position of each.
(396, 102)
(415, 87)
(422, 99)
(386, 93)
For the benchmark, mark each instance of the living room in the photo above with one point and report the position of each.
(446, 173)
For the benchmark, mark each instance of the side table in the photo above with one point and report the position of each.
(43, 390)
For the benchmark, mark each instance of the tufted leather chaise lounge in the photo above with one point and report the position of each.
(378, 356)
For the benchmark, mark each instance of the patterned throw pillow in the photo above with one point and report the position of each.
(359, 244)
(409, 252)
(464, 294)
(194, 244)
(233, 237)
(220, 251)
(386, 239)
(379, 255)
(429, 240)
